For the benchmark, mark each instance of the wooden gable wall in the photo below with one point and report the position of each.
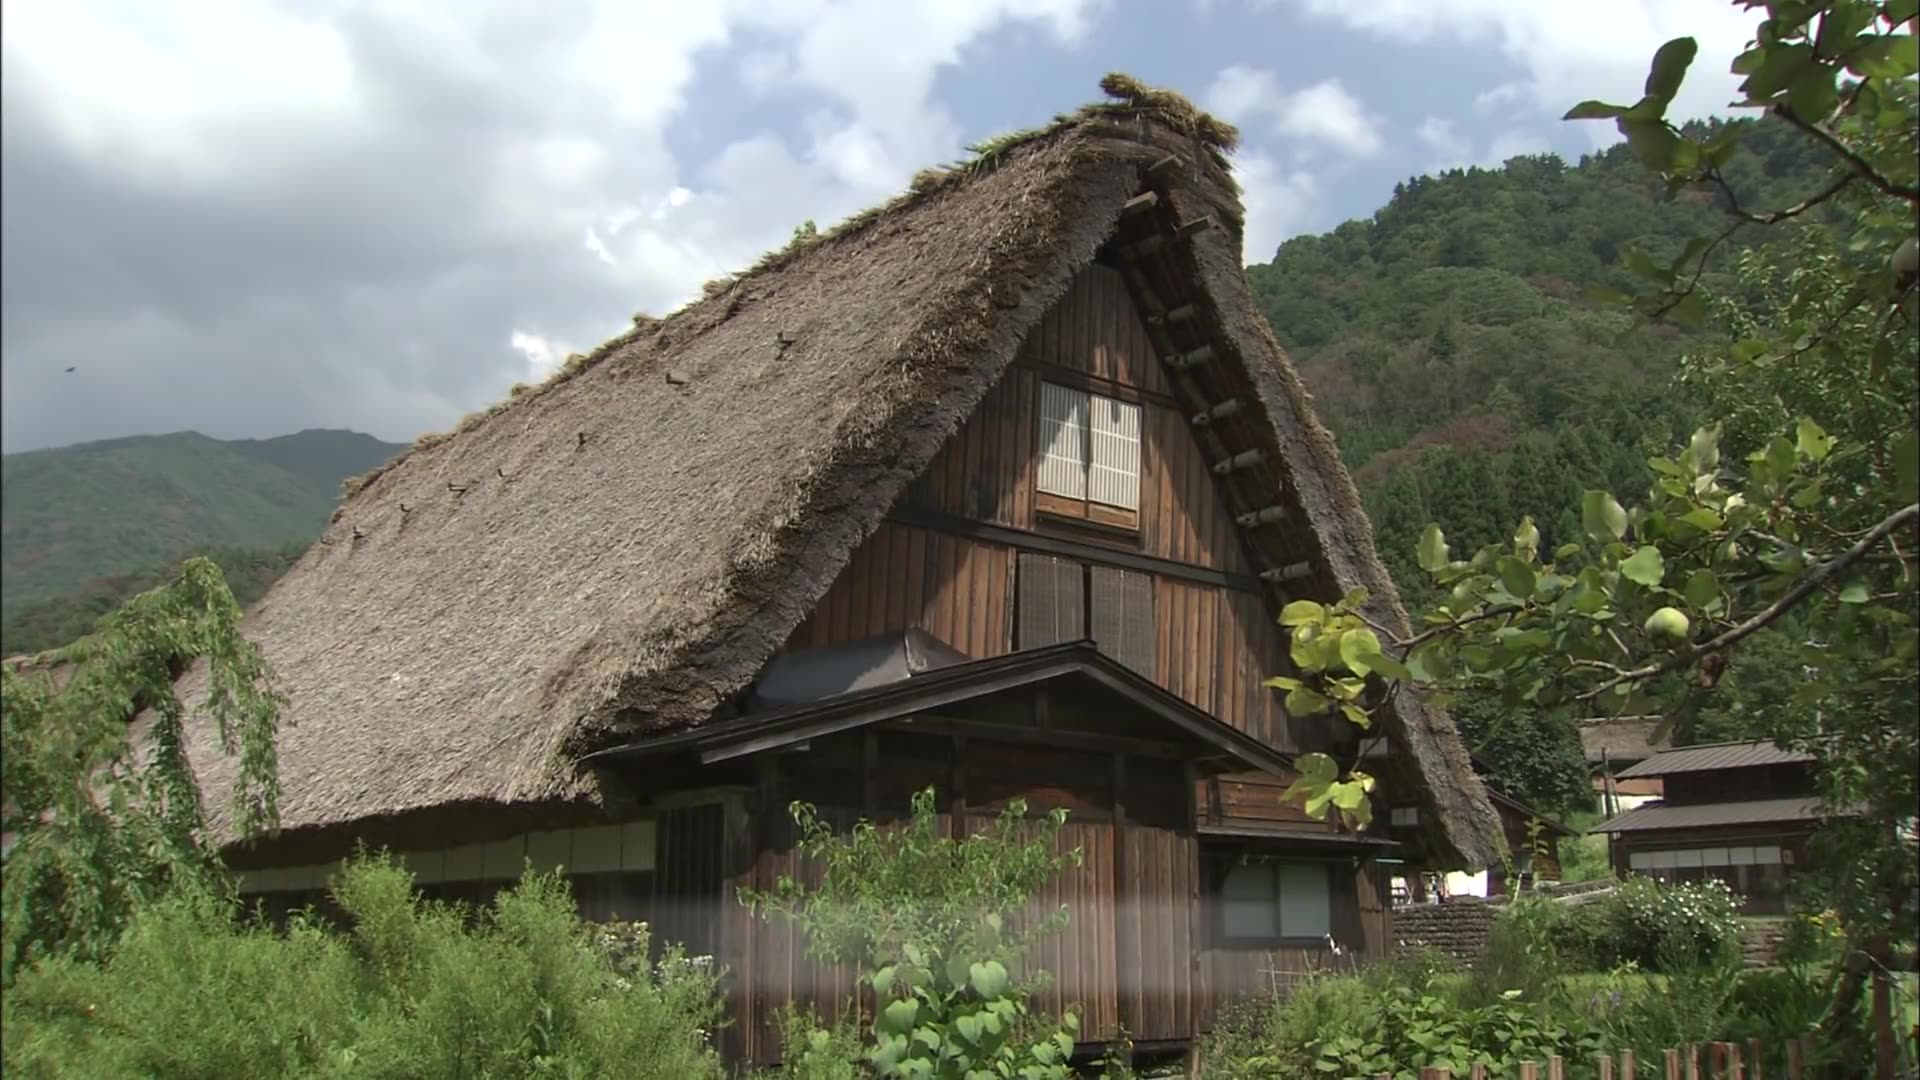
(948, 558)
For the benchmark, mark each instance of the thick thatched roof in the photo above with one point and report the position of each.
(620, 551)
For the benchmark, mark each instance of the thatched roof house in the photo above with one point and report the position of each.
(616, 554)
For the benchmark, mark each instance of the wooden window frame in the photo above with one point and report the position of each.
(1218, 903)
(1085, 510)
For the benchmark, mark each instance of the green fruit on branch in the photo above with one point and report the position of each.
(1668, 625)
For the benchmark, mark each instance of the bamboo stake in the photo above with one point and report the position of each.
(1529, 1071)
(1753, 1055)
(1693, 1061)
(1626, 1064)
(1605, 1067)
(1796, 1059)
(1673, 1064)
(1556, 1069)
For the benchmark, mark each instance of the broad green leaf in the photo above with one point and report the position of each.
(1748, 62)
(1887, 56)
(1602, 516)
(1594, 110)
(968, 1025)
(1282, 682)
(1813, 96)
(1702, 518)
(1644, 566)
(988, 979)
(1348, 796)
(1652, 141)
(1688, 309)
(1702, 589)
(1431, 661)
(1670, 67)
(1842, 21)
(1516, 577)
(1388, 668)
(1811, 440)
(1906, 466)
(1526, 539)
(1702, 454)
(883, 980)
(898, 1017)
(1855, 592)
(1359, 647)
(1777, 70)
(1637, 260)
(1301, 612)
(1565, 551)
(1433, 549)
(1316, 768)
(1354, 598)
(1356, 716)
(1305, 702)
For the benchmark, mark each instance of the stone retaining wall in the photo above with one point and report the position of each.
(1459, 927)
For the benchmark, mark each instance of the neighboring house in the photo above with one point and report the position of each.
(1741, 812)
(1533, 852)
(997, 489)
(1616, 743)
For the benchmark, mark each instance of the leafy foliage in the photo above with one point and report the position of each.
(414, 989)
(1800, 499)
(100, 832)
(933, 922)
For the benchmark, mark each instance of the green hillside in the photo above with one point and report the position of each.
(77, 519)
(1448, 344)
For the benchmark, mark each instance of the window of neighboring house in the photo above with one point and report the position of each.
(1278, 900)
(1090, 463)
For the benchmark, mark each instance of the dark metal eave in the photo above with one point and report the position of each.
(949, 686)
(1296, 839)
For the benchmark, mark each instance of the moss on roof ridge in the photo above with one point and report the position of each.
(1127, 97)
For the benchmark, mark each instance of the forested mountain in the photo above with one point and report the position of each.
(85, 526)
(1449, 345)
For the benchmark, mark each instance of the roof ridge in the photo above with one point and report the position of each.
(1127, 97)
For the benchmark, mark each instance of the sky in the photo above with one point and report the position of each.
(248, 219)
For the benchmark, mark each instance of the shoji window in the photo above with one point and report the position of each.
(1090, 462)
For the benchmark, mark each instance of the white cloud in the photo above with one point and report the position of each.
(1324, 112)
(544, 355)
(1505, 94)
(1452, 150)
(1571, 50)
(342, 176)
(1280, 203)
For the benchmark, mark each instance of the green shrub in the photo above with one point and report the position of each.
(1665, 927)
(936, 927)
(413, 989)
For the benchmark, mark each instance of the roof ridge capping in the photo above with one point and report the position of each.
(1127, 97)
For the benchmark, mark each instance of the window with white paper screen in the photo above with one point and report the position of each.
(1114, 475)
(1063, 437)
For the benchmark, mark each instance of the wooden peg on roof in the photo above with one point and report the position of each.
(457, 489)
(1290, 572)
(1164, 166)
(1245, 459)
(1140, 203)
(1191, 358)
(1263, 516)
(1218, 412)
(1179, 314)
(1191, 228)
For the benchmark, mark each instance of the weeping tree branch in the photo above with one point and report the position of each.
(1787, 602)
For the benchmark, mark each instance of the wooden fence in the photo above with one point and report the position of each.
(1709, 1061)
